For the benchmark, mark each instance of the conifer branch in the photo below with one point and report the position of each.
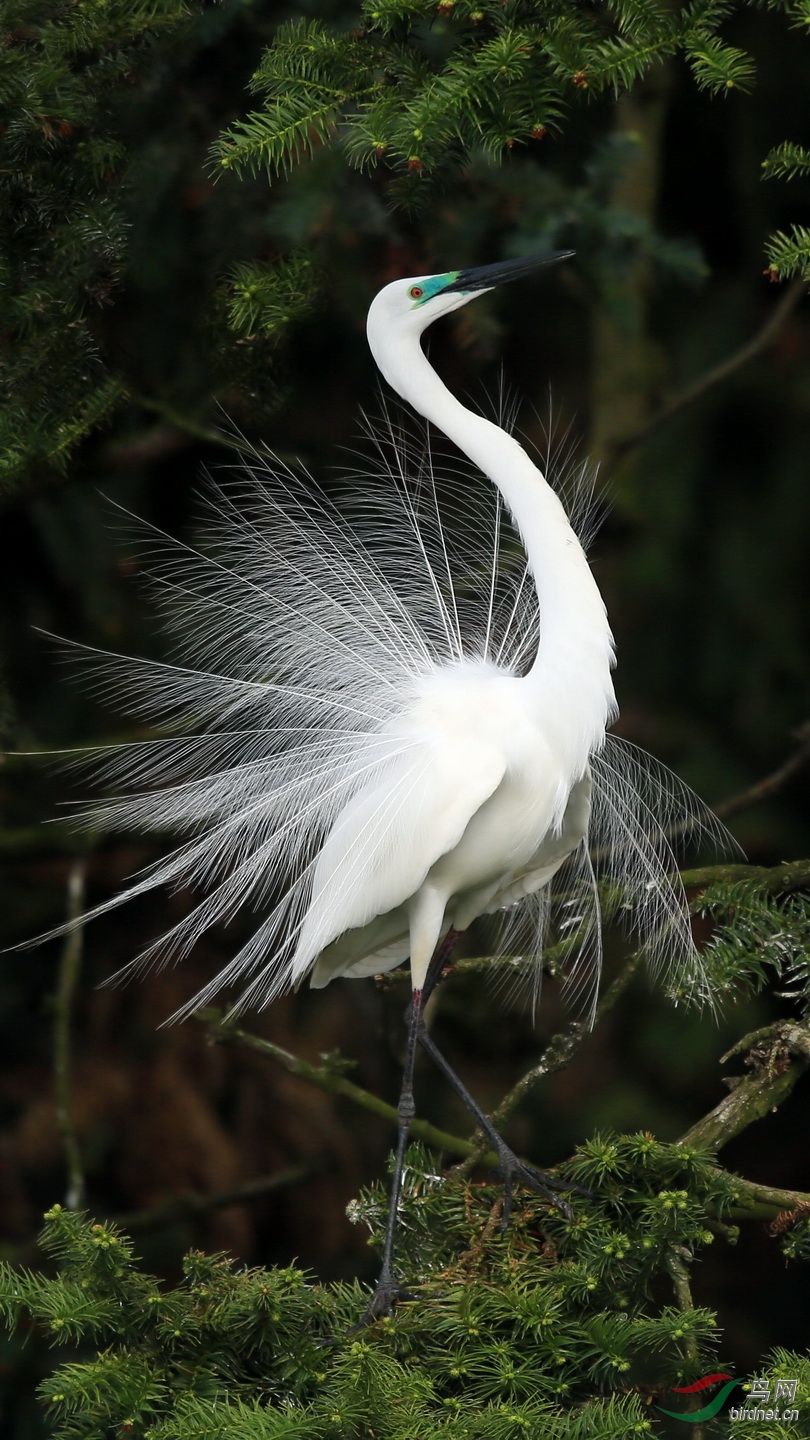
(789, 254)
(771, 880)
(757, 1201)
(753, 1201)
(786, 161)
(676, 1261)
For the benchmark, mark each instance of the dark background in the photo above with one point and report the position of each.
(703, 561)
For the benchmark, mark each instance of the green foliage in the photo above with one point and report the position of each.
(426, 86)
(796, 1243)
(758, 937)
(308, 77)
(547, 1328)
(63, 231)
(717, 66)
(789, 254)
(418, 92)
(262, 298)
(786, 161)
(779, 1365)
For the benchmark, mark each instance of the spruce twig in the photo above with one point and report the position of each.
(69, 971)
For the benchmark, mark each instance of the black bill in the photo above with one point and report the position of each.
(484, 277)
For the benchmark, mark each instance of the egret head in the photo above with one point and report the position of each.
(408, 306)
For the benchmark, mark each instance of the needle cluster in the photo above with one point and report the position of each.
(556, 1328)
(421, 86)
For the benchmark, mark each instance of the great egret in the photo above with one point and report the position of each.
(402, 765)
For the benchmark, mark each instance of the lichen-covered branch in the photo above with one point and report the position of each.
(775, 879)
(780, 1055)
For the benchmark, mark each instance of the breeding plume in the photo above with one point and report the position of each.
(385, 723)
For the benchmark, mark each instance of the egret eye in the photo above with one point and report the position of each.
(416, 292)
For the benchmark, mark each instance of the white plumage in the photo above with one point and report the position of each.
(390, 720)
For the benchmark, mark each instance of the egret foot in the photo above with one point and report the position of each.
(511, 1170)
(509, 1166)
(387, 1292)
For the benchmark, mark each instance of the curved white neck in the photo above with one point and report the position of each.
(570, 679)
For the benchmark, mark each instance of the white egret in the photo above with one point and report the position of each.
(352, 740)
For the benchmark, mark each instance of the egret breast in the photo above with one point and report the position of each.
(506, 831)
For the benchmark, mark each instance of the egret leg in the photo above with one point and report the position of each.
(511, 1168)
(387, 1290)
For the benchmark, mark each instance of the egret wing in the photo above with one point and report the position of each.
(380, 945)
(383, 941)
(388, 836)
(550, 855)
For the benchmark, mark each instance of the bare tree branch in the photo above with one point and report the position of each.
(69, 970)
(189, 1207)
(771, 784)
(718, 373)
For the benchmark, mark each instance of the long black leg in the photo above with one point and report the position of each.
(439, 959)
(387, 1291)
(510, 1166)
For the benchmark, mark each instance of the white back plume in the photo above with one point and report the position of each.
(297, 628)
